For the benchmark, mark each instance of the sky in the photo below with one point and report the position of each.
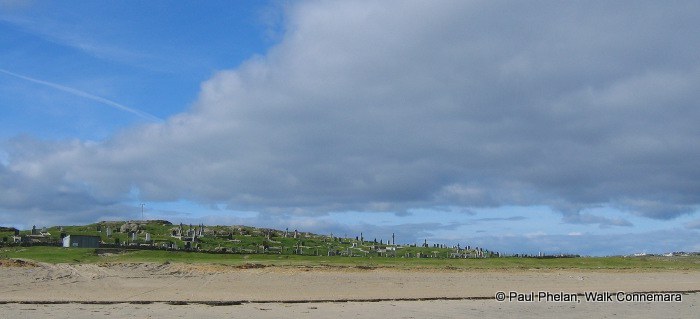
(516, 126)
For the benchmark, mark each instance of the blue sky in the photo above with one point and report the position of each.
(518, 127)
(151, 56)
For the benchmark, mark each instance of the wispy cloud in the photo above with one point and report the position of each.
(585, 218)
(695, 224)
(73, 36)
(86, 95)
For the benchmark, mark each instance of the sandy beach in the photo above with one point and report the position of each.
(150, 290)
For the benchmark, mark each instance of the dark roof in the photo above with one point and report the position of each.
(77, 235)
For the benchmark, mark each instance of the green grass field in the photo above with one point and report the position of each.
(87, 255)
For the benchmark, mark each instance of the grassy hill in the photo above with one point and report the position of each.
(243, 246)
(161, 234)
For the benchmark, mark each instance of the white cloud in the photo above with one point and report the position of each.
(535, 234)
(379, 106)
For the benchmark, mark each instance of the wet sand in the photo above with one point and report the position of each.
(387, 309)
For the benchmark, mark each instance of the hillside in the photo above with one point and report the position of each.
(238, 239)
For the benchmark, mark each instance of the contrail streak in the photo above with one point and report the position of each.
(86, 95)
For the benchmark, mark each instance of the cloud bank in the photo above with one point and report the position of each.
(390, 106)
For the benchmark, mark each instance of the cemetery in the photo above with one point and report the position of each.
(237, 239)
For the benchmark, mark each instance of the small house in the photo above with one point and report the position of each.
(81, 241)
